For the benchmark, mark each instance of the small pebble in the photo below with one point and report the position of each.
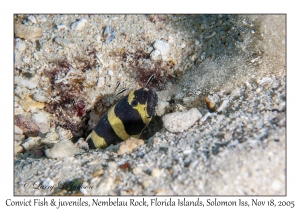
(193, 58)
(20, 46)
(162, 107)
(276, 186)
(26, 60)
(171, 39)
(64, 42)
(37, 152)
(97, 37)
(101, 82)
(160, 192)
(41, 118)
(163, 47)
(29, 127)
(129, 145)
(203, 56)
(228, 136)
(64, 133)
(62, 26)
(183, 45)
(18, 148)
(150, 49)
(32, 19)
(78, 25)
(48, 182)
(82, 144)
(105, 186)
(109, 34)
(110, 73)
(210, 104)
(188, 151)
(31, 83)
(31, 142)
(61, 149)
(180, 121)
(155, 55)
(30, 33)
(223, 105)
(18, 130)
(137, 170)
(220, 118)
(98, 172)
(147, 183)
(112, 165)
(197, 42)
(40, 97)
(19, 137)
(155, 173)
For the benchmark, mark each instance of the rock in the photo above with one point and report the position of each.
(62, 26)
(18, 148)
(137, 170)
(97, 37)
(82, 144)
(32, 19)
(78, 25)
(20, 46)
(28, 83)
(41, 118)
(30, 105)
(29, 127)
(110, 73)
(109, 34)
(223, 106)
(149, 50)
(18, 110)
(155, 54)
(112, 166)
(162, 107)
(105, 186)
(147, 183)
(63, 133)
(26, 60)
(48, 182)
(52, 138)
(155, 173)
(276, 185)
(129, 145)
(17, 56)
(30, 33)
(98, 172)
(19, 137)
(163, 47)
(64, 148)
(37, 152)
(210, 104)
(18, 130)
(160, 192)
(40, 97)
(101, 82)
(180, 121)
(64, 42)
(32, 142)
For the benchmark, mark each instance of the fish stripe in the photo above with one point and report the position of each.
(130, 117)
(105, 130)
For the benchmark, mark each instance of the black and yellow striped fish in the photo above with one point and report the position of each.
(126, 118)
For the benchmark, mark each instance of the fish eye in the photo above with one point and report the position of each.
(134, 102)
